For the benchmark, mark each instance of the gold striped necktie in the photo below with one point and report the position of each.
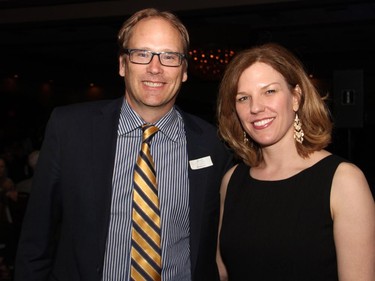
(145, 251)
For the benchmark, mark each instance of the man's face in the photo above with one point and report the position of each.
(153, 87)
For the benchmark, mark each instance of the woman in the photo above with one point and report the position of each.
(291, 210)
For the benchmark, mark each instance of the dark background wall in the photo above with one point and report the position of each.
(60, 52)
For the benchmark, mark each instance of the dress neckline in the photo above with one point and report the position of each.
(318, 163)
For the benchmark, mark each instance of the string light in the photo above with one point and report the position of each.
(209, 64)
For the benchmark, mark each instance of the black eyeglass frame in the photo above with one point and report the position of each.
(130, 51)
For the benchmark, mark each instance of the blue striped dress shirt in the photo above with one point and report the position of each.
(168, 148)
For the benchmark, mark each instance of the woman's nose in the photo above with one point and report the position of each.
(256, 106)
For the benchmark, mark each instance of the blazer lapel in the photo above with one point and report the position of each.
(104, 135)
(196, 181)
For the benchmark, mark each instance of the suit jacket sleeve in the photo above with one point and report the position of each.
(70, 197)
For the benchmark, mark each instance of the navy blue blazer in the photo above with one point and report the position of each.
(66, 223)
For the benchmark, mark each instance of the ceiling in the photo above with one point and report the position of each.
(51, 35)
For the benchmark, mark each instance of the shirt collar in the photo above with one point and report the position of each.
(170, 124)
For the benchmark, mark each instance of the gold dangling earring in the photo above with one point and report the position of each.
(298, 132)
(245, 139)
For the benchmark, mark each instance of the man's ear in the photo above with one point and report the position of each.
(121, 66)
(185, 76)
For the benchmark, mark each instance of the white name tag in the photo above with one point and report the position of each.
(200, 163)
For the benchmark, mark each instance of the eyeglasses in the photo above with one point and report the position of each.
(165, 58)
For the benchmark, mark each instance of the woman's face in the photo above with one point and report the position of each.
(265, 105)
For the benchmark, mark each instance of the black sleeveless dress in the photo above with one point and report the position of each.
(280, 230)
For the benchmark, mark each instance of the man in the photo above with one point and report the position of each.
(79, 220)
